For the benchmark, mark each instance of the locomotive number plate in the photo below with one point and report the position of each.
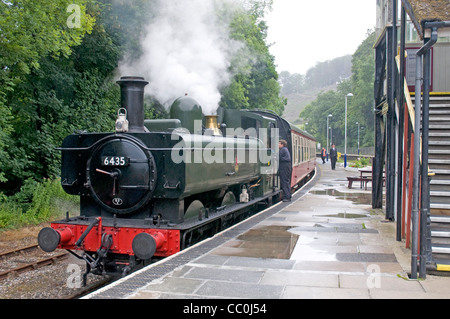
(116, 161)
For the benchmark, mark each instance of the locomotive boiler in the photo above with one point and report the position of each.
(155, 187)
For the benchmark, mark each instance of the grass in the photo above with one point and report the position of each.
(36, 203)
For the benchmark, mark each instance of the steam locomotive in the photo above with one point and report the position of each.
(155, 187)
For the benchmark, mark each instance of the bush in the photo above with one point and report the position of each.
(37, 202)
(362, 162)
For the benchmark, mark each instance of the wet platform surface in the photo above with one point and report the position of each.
(327, 243)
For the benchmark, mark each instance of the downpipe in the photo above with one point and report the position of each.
(416, 170)
(420, 173)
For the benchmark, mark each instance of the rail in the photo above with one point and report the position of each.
(407, 94)
(34, 264)
(407, 195)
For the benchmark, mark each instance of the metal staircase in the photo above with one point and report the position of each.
(439, 163)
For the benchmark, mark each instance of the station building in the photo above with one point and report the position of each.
(412, 127)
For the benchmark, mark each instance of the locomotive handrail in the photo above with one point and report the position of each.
(73, 149)
(160, 149)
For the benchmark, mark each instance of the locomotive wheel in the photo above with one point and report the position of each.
(194, 209)
(228, 199)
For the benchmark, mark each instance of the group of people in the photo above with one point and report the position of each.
(333, 156)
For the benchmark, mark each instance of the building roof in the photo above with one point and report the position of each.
(421, 11)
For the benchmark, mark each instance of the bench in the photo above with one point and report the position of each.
(364, 180)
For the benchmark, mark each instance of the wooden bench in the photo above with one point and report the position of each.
(364, 180)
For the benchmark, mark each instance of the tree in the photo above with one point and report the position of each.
(363, 77)
(291, 83)
(31, 33)
(255, 84)
(30, 30)
(359, 106)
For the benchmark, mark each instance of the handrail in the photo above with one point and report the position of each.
(411, 108)
(407, 94)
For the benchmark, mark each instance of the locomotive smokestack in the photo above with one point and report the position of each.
(132, 99)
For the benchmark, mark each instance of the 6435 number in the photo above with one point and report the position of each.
(116, 161)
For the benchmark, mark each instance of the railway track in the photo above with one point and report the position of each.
(26, 259)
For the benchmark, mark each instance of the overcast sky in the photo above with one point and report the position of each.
(304, 32)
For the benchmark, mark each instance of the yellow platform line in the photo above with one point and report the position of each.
(442, 267)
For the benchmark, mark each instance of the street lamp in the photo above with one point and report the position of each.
(357, 123)
(328, 118)
(345, 156)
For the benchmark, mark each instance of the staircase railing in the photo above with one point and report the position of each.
(408, 161)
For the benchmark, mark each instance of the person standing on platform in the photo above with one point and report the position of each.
(285, 170)
(323, 154)
(333, 156)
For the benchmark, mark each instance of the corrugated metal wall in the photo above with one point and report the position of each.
(441, 67)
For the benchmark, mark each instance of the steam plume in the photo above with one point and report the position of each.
(186, 49)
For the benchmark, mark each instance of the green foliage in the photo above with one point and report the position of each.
(36, 202)
(32, 33)
(255, 84)
(31, 30)
(68, 88)
(363, 77)
(362, 162)
(360, 106)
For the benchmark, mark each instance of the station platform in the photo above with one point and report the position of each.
(327, 243)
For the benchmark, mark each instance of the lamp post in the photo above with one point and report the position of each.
(345, 156)
(328, 118)
(357, 123)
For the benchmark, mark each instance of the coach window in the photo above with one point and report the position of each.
(305, 158)
(308, 150)
(294, 147)
(301, 149)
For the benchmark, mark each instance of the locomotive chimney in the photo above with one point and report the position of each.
(132, 99)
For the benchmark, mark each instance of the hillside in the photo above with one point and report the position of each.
(297, 101)
(300, 90)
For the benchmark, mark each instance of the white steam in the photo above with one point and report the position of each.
(186, 49)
